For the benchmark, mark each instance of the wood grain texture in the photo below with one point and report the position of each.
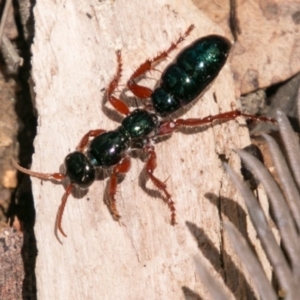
(143, 256)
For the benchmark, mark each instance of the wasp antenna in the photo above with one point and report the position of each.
(44, 176)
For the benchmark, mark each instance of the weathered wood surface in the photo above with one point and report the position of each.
(143, 256)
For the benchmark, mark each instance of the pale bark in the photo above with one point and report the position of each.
(143, 256)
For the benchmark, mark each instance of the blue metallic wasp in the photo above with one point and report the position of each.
(182, 81)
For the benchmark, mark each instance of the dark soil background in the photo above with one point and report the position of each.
(17, 132)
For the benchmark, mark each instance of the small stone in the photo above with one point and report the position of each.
(9, 180)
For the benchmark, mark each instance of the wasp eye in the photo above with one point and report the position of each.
(79, 170)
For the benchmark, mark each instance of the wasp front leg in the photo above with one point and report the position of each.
(121, 168)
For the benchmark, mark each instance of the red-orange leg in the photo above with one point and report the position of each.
(61, 210)
(85, 138)
(170, 126)
(121, 168)
(118, 104)
(151, 165)
(143, 92)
